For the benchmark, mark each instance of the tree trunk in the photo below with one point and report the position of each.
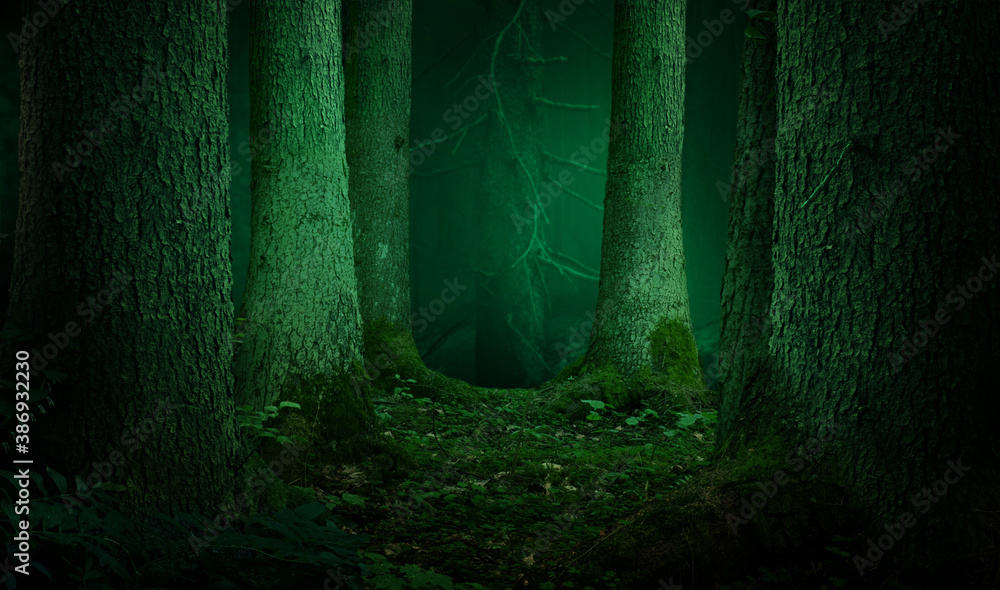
(377, 79)
(301, 302)
(122, 253)
(643, 324)
(303, 341)
(745, 328)
(509, 295)
(889, 332)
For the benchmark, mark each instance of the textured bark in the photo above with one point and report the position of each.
(509, 299)
(643, 283)
(377, 110)
(745, 328)
(377, 97)
(128, 240)
(301, 301)
(865, 283)
(9, 123)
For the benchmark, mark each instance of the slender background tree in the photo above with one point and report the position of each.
(642, 331)
(377, 55)
(377, 110)
(510, 302)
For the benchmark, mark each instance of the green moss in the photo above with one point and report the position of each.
(265, 491)
(672, 534)
(675, 354)
(390, 351)
(613, 389)
(692, 527)
(571, 370)
(671, 381)
(336, 415)
(335, 425)
(582, 380)
(264, 483)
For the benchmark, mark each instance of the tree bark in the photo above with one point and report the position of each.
(894, 234)
(377, 108)
(122, 259)
(643, 319)
(745, 327)
(301, 302)
(377, 78)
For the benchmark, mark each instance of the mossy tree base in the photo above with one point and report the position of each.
(391, 351)
(671, 380)
(740, 519)
(335, 425)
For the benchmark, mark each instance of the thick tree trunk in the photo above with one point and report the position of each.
(643, 323)
(304, 339)
(377, 97)
(509, 294)
(9, 122)
(745, 328)
(122, 248)
(301, 302)
(892, 261)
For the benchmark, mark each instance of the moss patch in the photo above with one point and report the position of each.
(700, 527)
(335, 425)
(675, 355)
(390, 351)
(672, 380)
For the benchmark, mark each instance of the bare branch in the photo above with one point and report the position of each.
(571, 270)
(461, 132)
(573, 193)
(559, 59)
(468, 61)
(445, 170)
(592, 272)
(466, 130)
(584, 167)
(563, 105)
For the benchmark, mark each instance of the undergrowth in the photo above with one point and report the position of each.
(499, 491)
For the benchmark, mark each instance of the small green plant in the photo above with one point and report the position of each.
(686, 421)
(82, 535)
(255, 421)
(243, 326)
(611, 579)
(597, 406)
(333, 501)
(404, 391)
(636, 420)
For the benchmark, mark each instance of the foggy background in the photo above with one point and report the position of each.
(442, 204)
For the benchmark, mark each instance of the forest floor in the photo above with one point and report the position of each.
(507, 494)
(489, 491)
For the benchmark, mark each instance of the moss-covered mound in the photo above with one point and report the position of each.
(391, 351)
(335, 424)
(671, 381)
(742, 515)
